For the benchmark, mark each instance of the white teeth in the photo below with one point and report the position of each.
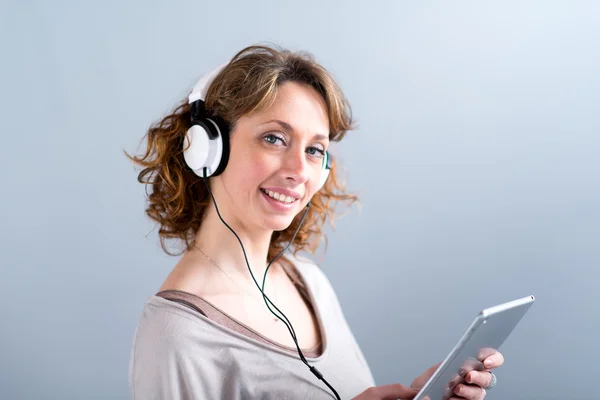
(280, 197)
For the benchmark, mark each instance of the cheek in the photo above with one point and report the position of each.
(260, 171)
(313, 182)
(247, 176)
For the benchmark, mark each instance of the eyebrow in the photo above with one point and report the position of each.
(289, 127)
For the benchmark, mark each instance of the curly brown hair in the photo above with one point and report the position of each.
(248, 83)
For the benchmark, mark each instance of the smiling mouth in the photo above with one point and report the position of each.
(279, 197)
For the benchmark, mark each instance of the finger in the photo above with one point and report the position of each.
(493, 361)
(394, 392)
(485, 353)
(433, 368)
(469, 391)
(481, 379)
(420, 381)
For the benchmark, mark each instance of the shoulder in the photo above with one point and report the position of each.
(173, 353)
(163, 325)
(308, 269)
(314, 277)
(171, 343)
(169, 330)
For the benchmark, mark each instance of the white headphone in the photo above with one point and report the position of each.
(206, 143)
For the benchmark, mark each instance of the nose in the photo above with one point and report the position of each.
(296, 167)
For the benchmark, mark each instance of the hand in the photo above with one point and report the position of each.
(476, 381)
(472, 388)
(387, 392)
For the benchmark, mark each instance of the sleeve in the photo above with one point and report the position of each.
(156, 371)
(165, 365)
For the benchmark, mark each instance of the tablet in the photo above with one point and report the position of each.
(488, 331)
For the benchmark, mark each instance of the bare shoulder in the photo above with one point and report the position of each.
(188, 275)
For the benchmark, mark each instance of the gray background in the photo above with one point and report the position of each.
(476, 159)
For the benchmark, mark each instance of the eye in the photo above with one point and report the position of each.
(315, 151)
(272, 138)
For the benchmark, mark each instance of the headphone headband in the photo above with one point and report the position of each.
(201, 87)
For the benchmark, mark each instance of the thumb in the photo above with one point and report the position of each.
(395, 391)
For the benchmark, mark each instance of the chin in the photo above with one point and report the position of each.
(278, 223)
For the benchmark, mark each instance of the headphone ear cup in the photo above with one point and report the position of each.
(324, 176)
(325, 170)
(222, 131)
(203, 148)
(196, 147)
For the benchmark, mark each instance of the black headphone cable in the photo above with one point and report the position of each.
(287, 323)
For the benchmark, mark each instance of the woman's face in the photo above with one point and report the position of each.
(275, 161)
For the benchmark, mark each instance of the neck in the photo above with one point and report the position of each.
(221, 245)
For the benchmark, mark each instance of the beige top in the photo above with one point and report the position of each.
(186, 348)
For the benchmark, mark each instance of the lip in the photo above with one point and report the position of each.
(287, 192)
(277, 205)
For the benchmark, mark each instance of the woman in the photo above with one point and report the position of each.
(238, 172)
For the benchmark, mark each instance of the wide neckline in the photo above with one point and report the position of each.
(272, 344)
